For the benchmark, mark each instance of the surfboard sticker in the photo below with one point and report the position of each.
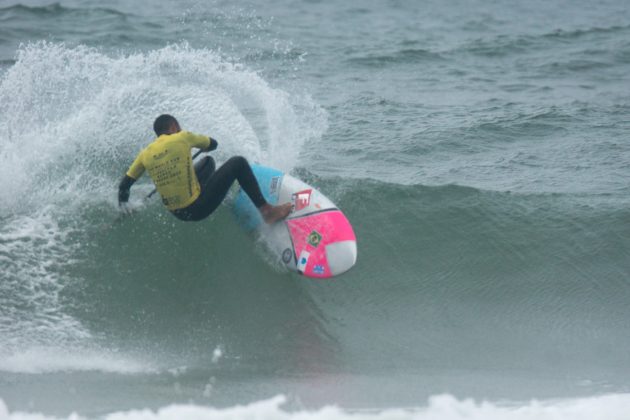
(287, 255)
(303, 261)
(316, 240)
(301, 199)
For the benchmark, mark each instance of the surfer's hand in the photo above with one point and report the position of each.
(213, 145)
(124, 207)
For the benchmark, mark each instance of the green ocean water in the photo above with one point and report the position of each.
(479, 148)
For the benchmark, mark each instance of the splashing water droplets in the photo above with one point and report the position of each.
(77, 117)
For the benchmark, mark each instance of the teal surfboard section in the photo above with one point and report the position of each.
(269, 180)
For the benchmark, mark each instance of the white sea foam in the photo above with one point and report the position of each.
(217, 354)
(33, 253)
(439, 407)
(38, 360)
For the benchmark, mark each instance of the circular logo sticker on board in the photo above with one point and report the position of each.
(287, 254)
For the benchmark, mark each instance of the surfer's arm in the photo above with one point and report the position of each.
(123, 189)
(135, 171)
(205, 143)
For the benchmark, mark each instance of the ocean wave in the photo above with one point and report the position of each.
(585, 32)
(507, 45)
(96, 26)
(434, 246)
(400, 57)
(420, 246)
(52, 10)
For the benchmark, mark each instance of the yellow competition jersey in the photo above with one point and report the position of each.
(169, 164)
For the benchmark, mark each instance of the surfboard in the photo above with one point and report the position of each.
(315, 240)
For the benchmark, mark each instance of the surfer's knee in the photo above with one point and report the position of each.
(238, 161)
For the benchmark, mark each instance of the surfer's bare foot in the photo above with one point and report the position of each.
(272, 214)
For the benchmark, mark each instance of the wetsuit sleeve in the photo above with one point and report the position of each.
(135, 171)
(123, 189)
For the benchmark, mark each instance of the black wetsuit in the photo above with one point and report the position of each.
(216, 184)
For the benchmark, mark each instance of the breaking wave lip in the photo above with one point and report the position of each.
(91, 89)
(439, 407)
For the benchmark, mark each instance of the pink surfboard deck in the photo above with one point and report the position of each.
(316, 240)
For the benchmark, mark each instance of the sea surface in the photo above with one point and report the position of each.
(480, 148)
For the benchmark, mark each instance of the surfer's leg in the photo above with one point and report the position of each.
(204, 168)
(237, 168)
(215, 187)
(249, 183)
(214, 190)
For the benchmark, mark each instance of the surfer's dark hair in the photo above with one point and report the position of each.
(162, 124)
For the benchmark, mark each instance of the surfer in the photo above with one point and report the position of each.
(192, 193)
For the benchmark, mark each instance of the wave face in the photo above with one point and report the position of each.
(479, 148)
(72, 120)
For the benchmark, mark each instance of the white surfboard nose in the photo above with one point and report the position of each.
(341, 256)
